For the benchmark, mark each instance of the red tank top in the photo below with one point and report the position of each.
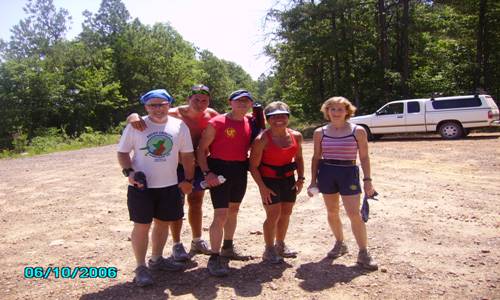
(232, 138)
(276, 156)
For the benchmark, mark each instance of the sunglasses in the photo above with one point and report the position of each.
(158, 105)
(200, 92)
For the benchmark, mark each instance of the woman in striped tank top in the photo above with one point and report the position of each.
(334, 172)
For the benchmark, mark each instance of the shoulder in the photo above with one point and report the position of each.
(211, 112)
(296, 134)
(319, 130)
(175, 112)
(262, 138)
(358, 129)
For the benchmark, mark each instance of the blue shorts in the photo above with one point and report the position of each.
(198, 177)
(338, 179)
(165, 204)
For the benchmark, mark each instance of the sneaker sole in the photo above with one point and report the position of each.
(336, 256)
(367, 267)
(273, 262)
(142, 284)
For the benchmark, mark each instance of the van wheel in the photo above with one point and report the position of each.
(451, 130)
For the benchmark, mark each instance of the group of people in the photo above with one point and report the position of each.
(175, 150)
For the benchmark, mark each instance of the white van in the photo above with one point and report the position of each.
(452, 117)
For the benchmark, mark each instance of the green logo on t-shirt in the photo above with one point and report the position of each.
(159, 145)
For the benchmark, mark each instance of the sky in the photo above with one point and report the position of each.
(231, 29)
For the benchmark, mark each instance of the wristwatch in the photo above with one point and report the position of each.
(189, 180)
(126, 171)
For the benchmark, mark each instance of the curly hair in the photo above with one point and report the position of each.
(350, 108)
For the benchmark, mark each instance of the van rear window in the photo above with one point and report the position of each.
(456, 103)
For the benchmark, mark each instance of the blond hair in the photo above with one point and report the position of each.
(349, 107)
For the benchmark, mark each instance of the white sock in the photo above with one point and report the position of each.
(155, 258)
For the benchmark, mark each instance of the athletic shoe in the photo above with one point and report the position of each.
(366, 261)
(339, 249)
(233, 254)
(217, 266)
(165, 264)
(143, 276)
(200, 247)
(179, 253)
(284, 251)
(271, 255)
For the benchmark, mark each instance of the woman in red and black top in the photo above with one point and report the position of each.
(274, 156)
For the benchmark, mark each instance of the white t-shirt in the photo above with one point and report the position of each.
(156, 149)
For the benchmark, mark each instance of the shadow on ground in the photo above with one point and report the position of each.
(323, 274)
(247, 282)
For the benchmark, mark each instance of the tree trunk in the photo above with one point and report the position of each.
(383, 49)
(481, 32)
(336, 52)
(405, 69)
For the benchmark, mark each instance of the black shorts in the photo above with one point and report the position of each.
(164, 204)
(283, 187)
(233, 190)
(338, 179)
(198, 177)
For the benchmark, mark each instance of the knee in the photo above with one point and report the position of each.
(219, 220)
(287, 212)
(233, 210)
(333, 213)
(141, 228)
(354, 215)
(273, 218)
(195, 206)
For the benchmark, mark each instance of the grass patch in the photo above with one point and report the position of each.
(54, 140)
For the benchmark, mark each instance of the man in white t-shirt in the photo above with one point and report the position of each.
(156, 153)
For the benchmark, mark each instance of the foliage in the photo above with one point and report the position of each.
(95, 80)
(336, 47)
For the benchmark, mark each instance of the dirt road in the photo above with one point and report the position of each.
(435, 231)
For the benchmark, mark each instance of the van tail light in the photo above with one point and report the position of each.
(490, 114)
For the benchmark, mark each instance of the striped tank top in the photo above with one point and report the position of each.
(340, 148)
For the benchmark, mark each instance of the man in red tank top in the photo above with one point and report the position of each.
(227, 140)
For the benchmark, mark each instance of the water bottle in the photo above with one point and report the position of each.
(258, 116)
(204, 185)
(314, 191)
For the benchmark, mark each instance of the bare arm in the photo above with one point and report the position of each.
(364, 158)
(207, 137)
(316, 157)
(258, 146)
(136, 121)
(299, 160)
(125, 162)
(187, 161)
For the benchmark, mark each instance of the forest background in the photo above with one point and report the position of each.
(55, 90)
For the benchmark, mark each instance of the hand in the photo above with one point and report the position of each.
(310, 187)
(137, 122)
(212, 180)
(368, 188)
(299, 184)
(185, 187)
(265, 194)
(132, 181)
